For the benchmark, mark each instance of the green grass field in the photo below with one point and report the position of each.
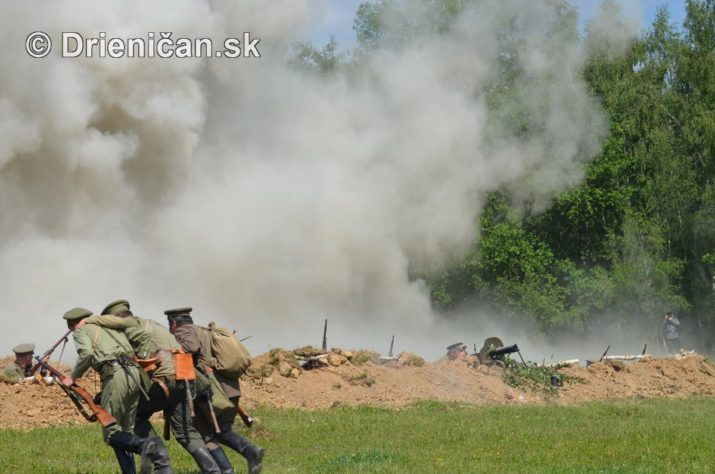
(625, 436)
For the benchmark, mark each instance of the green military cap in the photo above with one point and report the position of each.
(116, 307)
(25, 348)
(456, 345)
(172, 313)
(77, 313)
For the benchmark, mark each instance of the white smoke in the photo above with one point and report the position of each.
(265, 198)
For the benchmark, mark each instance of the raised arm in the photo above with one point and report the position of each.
(113, 322)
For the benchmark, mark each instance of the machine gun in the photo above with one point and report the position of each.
(500, 352)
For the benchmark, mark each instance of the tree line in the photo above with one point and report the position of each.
(637, 236)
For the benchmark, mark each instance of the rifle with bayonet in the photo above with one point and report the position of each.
(325, 335)
(80, 397)
(46, 356)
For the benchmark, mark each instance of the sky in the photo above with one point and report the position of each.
(339, 15)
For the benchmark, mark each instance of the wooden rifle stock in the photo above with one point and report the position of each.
(217, 428)
(80, 397)
(247, 420)
(46, 356)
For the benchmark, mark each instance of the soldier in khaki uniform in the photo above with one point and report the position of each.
(151, 341)
(19, 370)
(107, 351)
(195, 340)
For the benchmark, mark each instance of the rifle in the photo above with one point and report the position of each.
(208, 399)
(604, 353)
(46, 356)
(325, 335)
(80, 397)
(247, 419)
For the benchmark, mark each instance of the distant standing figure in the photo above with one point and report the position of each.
(670, 333)
(18, 370)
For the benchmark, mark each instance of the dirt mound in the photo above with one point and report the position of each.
(393, 383)
(323, 379)
(34, 405)
(690, 374)
(399, 382)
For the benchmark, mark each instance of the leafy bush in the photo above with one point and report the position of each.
(532, 377)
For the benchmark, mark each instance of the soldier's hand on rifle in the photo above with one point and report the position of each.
(67, 381)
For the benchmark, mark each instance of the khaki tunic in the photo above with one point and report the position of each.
(13, 373)
(98, 347)
(148, 337)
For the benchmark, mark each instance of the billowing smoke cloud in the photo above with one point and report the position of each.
(265, 198)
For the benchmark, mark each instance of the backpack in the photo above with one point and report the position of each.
(230, 356)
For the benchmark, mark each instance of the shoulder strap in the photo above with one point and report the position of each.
(207, 335)
(94, 341)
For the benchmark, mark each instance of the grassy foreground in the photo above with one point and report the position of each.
(624, 436)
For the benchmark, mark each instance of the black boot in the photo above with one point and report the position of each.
(253, 454)
(152, 450)
(205, 462)
(222, 460)
(126, 461)
(154, 455)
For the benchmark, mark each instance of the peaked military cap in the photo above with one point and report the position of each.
(76, 313)
(25, 348)
(173, 313)
(456, 345)
(116, 307)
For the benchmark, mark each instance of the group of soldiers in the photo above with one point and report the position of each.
(136, 359)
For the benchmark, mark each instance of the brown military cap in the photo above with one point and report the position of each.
(172, 313)
(26, 348)
(116, 307)
(76, 313)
